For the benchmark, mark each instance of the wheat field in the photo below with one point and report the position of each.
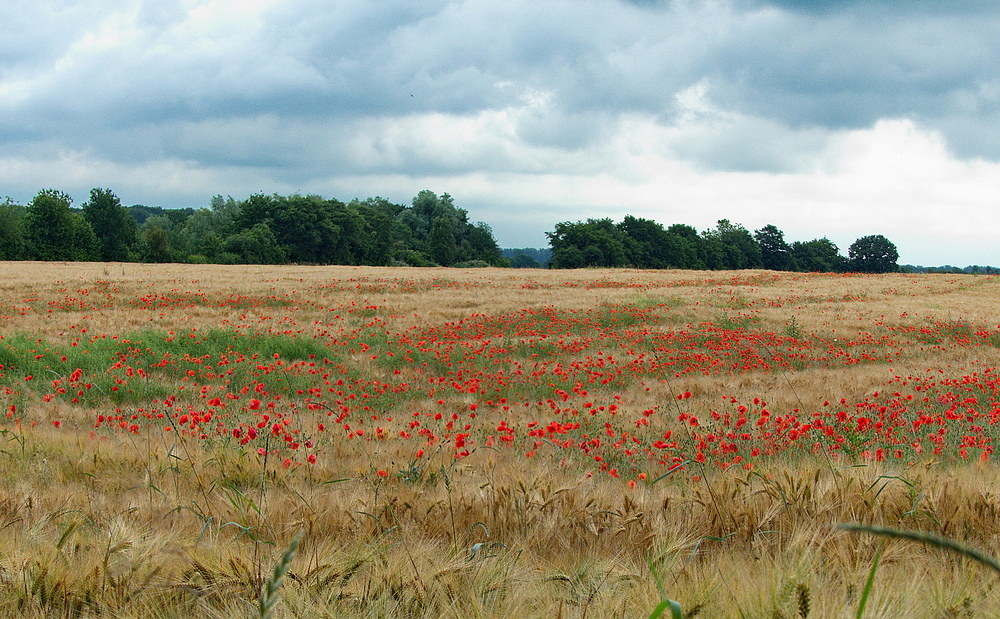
(494, 443)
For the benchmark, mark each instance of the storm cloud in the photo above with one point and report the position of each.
(528, 113)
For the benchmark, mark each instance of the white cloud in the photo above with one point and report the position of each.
(854, 119)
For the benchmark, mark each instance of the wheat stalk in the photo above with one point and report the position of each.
(269, 592)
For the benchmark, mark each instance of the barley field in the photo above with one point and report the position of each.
(226, 441)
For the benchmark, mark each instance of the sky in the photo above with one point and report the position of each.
(826, 118)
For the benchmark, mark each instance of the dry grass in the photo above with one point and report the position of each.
(152, 524)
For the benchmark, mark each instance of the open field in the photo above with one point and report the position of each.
(490, 443)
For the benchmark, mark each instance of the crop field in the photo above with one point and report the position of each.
(494, 443)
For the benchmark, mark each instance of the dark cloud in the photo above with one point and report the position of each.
(800, 64)
(312, 93)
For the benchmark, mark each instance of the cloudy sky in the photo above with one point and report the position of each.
(824, 117)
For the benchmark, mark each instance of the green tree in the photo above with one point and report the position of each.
(258, 245)
(524, 261)
(54, 232)
(568, 257)
(482, 245)
(441, 242)
(739, 250)
(85, 245)
(817, 256)
(154, 245)
(155, 240)
(649, 246)
(353, 234)
(382, 233)
(224, 211)
(593, 243)
(473, 241)
(311, 230)
(12, 245)
(689, 247)
(873, 254)
(201, 236)
(775, 253)
(114, 227)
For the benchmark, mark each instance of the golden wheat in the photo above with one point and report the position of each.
(139, 525)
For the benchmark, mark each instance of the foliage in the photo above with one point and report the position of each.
(538, 257)
(524, 261)
(258, 245)
(873, 254)
(594, 243)
(262, 229)
(432, 230)
(114, 227)
(817, 256)
(12, 244)
(53, 232)
(154, 245)
(646, 244)
(775, 253)
(441, 241)
(735, 247)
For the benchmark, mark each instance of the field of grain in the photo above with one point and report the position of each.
(494, 443)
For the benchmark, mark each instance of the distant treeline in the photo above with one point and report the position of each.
(431, 231)
(263, 229)
(528, 258)
(974, 269)
(646, 244)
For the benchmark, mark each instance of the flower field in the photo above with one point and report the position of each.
(493, 442)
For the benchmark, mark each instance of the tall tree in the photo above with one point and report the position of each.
(689, 247)
(382, 234)
(740, 250)
(775, 253)
(649, 246)
(12, 245)
(441, 242)
(114, 227)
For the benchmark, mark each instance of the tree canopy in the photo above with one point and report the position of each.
(873, 254)
(53, 232)
(430, 231)
(263, 229)
(646, 244)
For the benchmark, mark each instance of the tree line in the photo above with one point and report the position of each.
(263, 229)
(646, 244)
(431, 231)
